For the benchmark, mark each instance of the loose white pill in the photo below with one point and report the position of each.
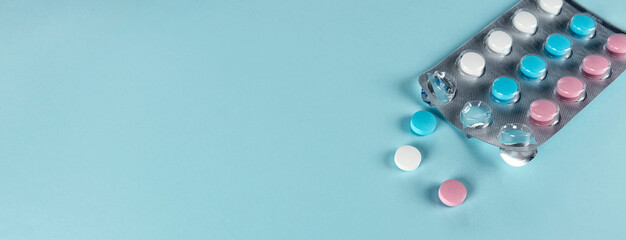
(407, 158)
(551, 6)
(499, 42)
(472, 63)
(525, 22)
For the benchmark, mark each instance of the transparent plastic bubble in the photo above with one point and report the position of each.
(442, 86)
(476, 114)
(516, 135)
(517, 158)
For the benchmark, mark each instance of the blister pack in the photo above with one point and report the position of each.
(526, 75)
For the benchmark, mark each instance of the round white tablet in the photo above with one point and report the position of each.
(407, 158)
(525, 22)
(499, 42)
(472, 63)
(551, 6)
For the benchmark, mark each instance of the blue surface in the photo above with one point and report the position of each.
(273, 120)
(582, 25)
(558, 45)
(533, 67)
(504, 89)
(423, 123)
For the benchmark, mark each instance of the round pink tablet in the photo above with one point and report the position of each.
(570, 88)
(452, 193)
(543, 112)
(595, 67)
(616, 45)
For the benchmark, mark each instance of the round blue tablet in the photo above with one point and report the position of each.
(558, 45)
(582, 25)
(423, 123)
(533, 67)
(504, 90)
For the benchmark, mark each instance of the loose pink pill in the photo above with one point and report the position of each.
(570, 89)
(452, 193)
(543, 112)
(616, 45)
(595, 67)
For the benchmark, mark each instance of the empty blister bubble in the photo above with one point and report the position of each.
(476, 114)
(525, 22)
(516, 135)
(471, 63)
(442, 86)
(582, 26)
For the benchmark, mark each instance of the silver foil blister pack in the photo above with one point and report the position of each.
(465, 93)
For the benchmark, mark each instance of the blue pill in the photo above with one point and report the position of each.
(533, 67)
(504, 90)
(423, 123)
(558, 45)
(582, 25)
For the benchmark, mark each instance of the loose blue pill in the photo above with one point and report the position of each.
(558, 45)
(423, 123)
(504, 90)
(582, 25)
(533, 67)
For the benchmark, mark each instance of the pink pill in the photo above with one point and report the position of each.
(452, 193)
(570, 89)
(543, 112)
(595, 67)
(616, 45)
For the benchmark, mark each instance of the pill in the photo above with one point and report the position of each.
(558, 45)
(616, 45)
(452, 193)
(595, 67)
(525, 22)
(423, 123)
(543, 112)
(407, 158)
(504, 90)
(499, 42)
(570, 89)
(472, 63)
(551, 6)
(533, 67)
(582, 25)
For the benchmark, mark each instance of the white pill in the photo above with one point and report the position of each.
(407, 158)
(499, 42)
(525, 22)
(551, 6)
(472, 63)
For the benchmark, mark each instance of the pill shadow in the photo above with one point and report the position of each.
(405, 124)
(409, 87)
(388, 159)
(479, 150)
(432, 195)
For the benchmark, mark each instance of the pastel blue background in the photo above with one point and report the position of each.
(272, 120)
